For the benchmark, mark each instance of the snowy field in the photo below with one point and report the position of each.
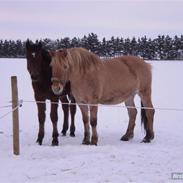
(112, 160)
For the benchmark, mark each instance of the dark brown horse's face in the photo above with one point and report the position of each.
(34, 60)
(59, 71)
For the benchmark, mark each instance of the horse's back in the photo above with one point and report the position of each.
(141, 68)
(134, 66)
(132, 61)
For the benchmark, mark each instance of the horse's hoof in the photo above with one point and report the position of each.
(72, 134)
(63, 133)
(86, 142)
(126, 137)
(94, 143)
(39, 142)
(54, 143)
(149, 136)
(145, 140)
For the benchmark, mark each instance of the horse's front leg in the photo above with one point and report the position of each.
(93, 122)
(41, 117)
(54, 119)
(132, 113)
(85, 116)
(65, 108)
(73, 112)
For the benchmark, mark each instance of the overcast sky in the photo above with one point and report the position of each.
(22, 19)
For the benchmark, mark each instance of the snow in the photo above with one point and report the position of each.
(112, 160)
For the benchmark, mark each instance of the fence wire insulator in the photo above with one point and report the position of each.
(20, 103)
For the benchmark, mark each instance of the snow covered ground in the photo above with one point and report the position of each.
(110, 161)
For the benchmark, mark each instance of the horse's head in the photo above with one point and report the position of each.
(35, 60)
(60, 69)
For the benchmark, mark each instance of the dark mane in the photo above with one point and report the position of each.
(46, 69)
(46, 74)
(46, 55)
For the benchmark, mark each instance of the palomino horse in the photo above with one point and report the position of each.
(94, 81)
(38, 65)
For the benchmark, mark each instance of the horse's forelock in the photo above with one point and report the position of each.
(63, 58)
(56, 61)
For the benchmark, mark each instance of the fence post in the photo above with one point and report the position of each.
(16, 146)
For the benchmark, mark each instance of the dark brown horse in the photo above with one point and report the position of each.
(38, 65)
(97, 82)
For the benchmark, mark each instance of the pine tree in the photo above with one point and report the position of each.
(127, 47)
(134, 47)
(65, 42)
(93, 43)
(75, 42)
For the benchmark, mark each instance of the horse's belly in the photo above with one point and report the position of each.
(117, 97)
(113, 100)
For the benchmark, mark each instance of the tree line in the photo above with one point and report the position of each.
(163, 47)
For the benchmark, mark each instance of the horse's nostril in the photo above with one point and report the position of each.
(57, 90)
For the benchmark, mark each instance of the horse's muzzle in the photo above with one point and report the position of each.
(57, 89)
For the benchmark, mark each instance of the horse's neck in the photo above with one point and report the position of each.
(45, 80)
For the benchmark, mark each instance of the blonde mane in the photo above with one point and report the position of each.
(82, 59)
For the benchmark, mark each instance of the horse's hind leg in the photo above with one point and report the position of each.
(132, 112)
(148, 116)
(41, 117)
(72, 112)
(93, 122)
(54, 119)
(65, 108)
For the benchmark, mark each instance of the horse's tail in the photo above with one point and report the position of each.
(143, 116)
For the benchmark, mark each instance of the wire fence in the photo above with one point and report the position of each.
(21, 102)
(109, 105)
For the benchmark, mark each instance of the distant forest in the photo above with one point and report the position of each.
(163, 47)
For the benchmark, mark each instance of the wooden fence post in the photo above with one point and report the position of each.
(16, 146)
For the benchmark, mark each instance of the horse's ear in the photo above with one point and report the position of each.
(51, 53)
(40, 45)
(28, 44)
